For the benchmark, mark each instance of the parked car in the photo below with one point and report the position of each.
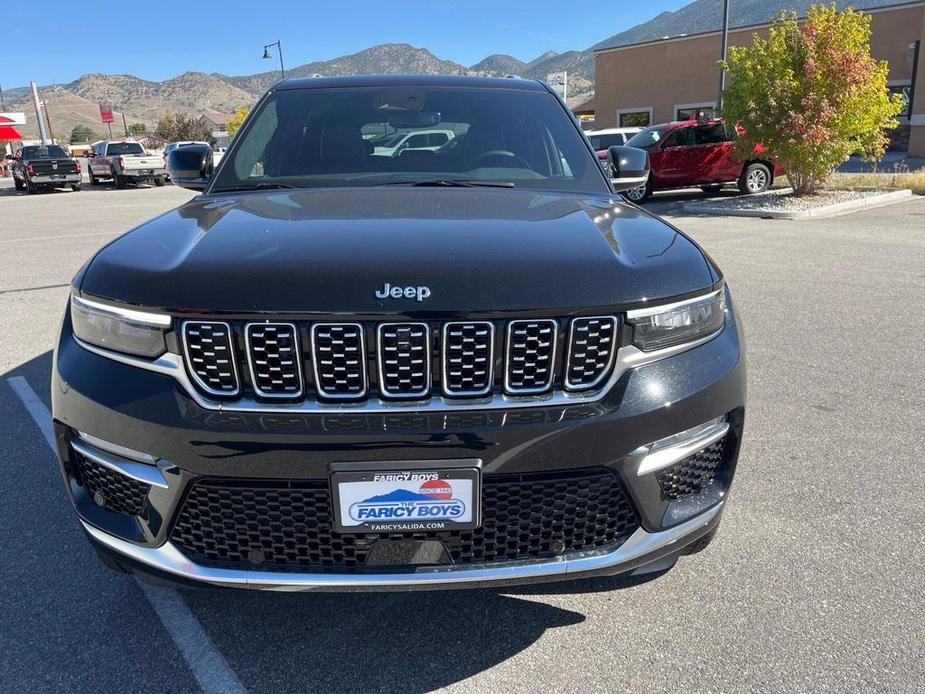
(37, 167)
(171, 146)
(125, 161)
(333, 370)
(699, 153)
(602, 140)
(421, 140)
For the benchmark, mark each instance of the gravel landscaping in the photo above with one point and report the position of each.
(781, 204)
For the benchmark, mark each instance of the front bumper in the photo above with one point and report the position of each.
(184, 444)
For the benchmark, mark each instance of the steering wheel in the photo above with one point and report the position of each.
(511, 159)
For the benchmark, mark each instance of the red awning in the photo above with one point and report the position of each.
(9, 133)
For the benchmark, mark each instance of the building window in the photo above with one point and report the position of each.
(685, 111)
(634, 118)
(906, 91)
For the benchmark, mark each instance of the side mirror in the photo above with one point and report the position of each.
(9, 157)
(629, 167)
(191, 166)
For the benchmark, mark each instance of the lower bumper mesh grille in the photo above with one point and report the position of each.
(694, 473)
(287, 525)
(110, 489)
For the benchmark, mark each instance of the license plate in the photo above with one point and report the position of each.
(402, 499)
(145, 171)
(57, 177)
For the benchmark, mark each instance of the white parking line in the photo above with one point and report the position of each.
(206, 662)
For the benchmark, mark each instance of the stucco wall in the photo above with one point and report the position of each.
(677, 72)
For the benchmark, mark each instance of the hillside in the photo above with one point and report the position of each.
(707, 15)
(77, 103)
(500, 63)
(384, 59)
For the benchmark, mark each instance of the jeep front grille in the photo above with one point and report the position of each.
(339, 364)
(468, 351)
(590, 351)
(531, 352)
(404, 360)
(274, 359)
(339, 360)
(209, 348)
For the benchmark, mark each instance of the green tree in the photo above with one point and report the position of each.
(811, 94)
(82, 133)
(137, 129)
(166, 127)
(236, 120)
(183, 127)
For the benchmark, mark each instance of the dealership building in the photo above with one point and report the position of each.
(641, 80)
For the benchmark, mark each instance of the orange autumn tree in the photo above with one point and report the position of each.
(811, 94)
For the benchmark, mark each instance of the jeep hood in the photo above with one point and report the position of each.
(330, 250)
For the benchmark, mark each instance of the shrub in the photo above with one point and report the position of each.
(811, 94)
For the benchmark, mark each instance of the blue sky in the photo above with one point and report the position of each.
(59, 40)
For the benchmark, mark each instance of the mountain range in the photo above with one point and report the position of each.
(144, 101)
(196, 93)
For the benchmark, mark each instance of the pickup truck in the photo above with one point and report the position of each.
(125, 162)
(44, 166)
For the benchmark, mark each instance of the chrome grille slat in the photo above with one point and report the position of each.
(403, 354)
(468, 358)
(274, 359)
(591, 350)
(339, 360)
(530, 356)
(210, 356)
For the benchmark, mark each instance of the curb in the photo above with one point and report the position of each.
(832, 210)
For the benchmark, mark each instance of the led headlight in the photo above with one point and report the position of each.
(678, 323)
(119, 329)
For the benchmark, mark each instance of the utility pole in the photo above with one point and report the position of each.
(722, 70)
(51, 131)
(124, 126)
(43, 135)
(2, 102)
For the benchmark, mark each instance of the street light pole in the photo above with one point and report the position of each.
(279, 48)
(2, 102)
(722, 70)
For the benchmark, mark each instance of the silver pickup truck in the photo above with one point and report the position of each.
(125, 162)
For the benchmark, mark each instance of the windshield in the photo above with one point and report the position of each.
(124, 148)
(49, 152)
(361, 136)
(647, 138)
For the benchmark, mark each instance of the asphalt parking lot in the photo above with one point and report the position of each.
(815, 582)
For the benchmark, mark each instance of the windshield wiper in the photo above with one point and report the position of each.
(257, 186)
(451, 183)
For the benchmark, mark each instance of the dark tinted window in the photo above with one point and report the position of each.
(118, 148)
(681, 137)
(336, 137)
(710, 134)
(49, 152)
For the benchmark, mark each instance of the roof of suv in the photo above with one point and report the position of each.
(410, 81)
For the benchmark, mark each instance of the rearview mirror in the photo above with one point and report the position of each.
(629, 167)
(413, 119)
(191, 166)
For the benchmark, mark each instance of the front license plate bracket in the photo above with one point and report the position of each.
(406, 496)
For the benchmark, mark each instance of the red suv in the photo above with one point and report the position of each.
(695, 153)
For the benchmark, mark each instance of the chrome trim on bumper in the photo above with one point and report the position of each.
(665, 457)
(56, 178)
(148, 474)
(168, 559)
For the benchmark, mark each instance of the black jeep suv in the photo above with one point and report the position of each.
(348, 365)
